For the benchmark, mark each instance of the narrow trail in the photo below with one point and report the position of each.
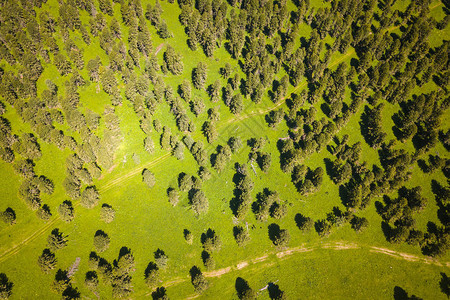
(135, 171)
(289, 253)
(159, 48)
(16, 248)
(436, 5)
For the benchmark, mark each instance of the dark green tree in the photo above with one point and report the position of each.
(8, 216)
(173, 61)
(199, 75)
(65, 211)
(199, 202)
(210, 131)
(56, 240)
(236, 104)
(148, 177)
(241, 235)
(101, 241)
(185, 90)
(198, 280)
(163, 30)
(173, 196)
(5, 286)
(89, 197)
(47, 261)
(107, 213)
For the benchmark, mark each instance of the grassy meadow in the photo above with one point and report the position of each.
(343, 265)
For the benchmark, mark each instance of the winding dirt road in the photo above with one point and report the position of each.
(294, 251)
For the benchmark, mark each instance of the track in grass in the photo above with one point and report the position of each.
(289, 253)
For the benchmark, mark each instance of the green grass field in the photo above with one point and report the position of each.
(343, 265)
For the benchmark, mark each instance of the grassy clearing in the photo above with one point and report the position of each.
(145, 221)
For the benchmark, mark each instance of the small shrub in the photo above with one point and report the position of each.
(107, 213)
(101, 241)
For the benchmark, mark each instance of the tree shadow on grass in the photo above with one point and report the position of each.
(401, 294)
(444, 284)
(275, 292)
(241, 286)
(274, 231)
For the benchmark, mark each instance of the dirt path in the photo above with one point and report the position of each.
(242, 265)
(408, 257)
(436, 5)
(289, 252)
(107, 172)
(260, 259)
(159, 48)
(217, 273)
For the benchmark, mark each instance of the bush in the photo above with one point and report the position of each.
(65, 211)
(56, 240)
(188, 236)
(199, 203)
(148, 178)
(107, 213)
(47, 261)
(161, 259)
(101, 241)
(241, 235)
(91, 280)
(89, 197)
(44, 213)
(172, 194)
(8, 216)
(359, 224)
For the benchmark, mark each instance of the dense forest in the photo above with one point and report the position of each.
(162, 149)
